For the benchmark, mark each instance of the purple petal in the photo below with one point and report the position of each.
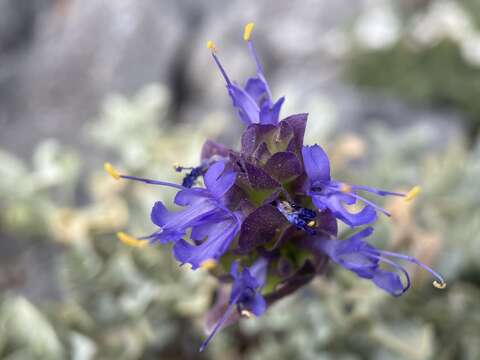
(160, 215)
(257, 89)
(270, 114)
(204, 226)
(334, 202)
(389, 282)
(218, 241)
(259, 305)
(189, 197)
(247, 108)
(218, 181)
(259, 270)
(317, 164)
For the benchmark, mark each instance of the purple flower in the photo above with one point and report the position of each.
(364, 260)
(245, 295)
(330, 194)
(206, 213)
(272, 204)
(253, 102)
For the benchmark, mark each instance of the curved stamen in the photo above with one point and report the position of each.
(114, 173)
(224, 317)
(247, 36)
(213, 50)
(131, 241)
(394, 265)
(376, 191)
(413, 193)
(152, 182)
(438, 283)
(369, 203)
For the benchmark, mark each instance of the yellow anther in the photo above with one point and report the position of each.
(413, 193)
(111, 171)
(247, 314)
(345, 188)
(247, 32)
(130, 240)
(211, 46)
(208, 264)
(311, 223)
(439, 285)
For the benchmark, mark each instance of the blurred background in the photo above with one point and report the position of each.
(392, 89)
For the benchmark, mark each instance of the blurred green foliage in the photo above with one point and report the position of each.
(436, 72)
(421, 75)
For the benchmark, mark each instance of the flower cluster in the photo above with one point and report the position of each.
(266, 218)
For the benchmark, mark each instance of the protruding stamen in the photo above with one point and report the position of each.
(130, 240)
(111, 171)
(368, 202)
(246, 314)
(211, 46)
(247, 32)
(312, 223)
(440, 285)
(413, 193)
(209, 264)
(213, 49)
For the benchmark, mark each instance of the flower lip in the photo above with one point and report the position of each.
(363, 259)
(334, 195)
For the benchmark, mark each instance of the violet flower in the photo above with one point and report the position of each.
(334, 195)
(245, 295)
(363, 259)
(213, 225)
(272, 203)
(253, 102)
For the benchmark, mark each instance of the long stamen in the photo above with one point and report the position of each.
(394, 265)
(439, 283)
(130, 240)
(152, 182)
(376, 191)
(117, 176)
(413, 193)
(209, 264)
(247, 36)
(224, 317)
(369, 203)
(111, 171)
(213, 50)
